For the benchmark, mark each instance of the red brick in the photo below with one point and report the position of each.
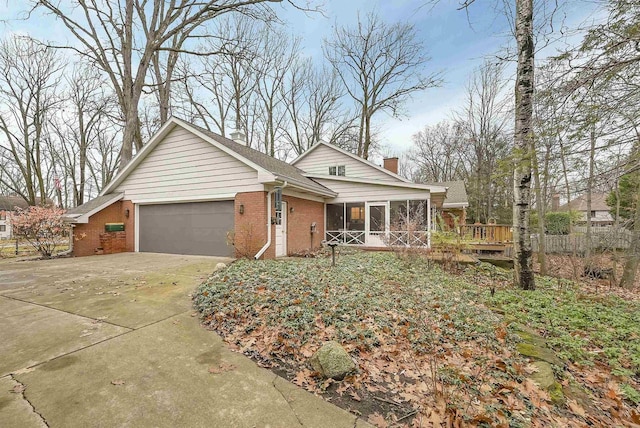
(87, 237)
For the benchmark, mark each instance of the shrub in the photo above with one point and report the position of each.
(42, 227)
(558, 223)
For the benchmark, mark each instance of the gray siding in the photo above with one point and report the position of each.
(322, 157)
(360, 192)
(183, 166)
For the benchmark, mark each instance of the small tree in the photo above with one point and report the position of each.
(42, 227)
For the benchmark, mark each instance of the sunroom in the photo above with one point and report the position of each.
(403, 222)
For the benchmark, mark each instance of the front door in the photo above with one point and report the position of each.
(376, 223)
(281, 231)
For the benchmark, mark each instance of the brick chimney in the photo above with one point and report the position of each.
(391, 164)
(555, 202)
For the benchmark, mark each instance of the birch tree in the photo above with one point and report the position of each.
(523, 134)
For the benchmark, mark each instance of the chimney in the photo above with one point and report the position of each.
(555, 202)
(391, 164)
(239, 137)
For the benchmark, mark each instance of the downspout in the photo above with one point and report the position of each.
(268, 244)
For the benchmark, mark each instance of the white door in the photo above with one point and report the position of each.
(281, 231)
(376, 223)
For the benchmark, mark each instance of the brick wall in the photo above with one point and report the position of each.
(87, 237)
(251, 230)
(304, 213)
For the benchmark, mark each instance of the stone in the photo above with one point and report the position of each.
(220, 266)
(332, 361)
(539, 353)
(545, 379)
(544, 375)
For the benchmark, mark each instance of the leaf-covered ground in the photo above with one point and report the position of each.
(429, 349)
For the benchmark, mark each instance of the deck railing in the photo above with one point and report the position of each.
(395, 238)
(346, 237)
(490, 233)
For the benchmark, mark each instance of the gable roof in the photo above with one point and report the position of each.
(351, 155)
(598, 203)
(456, 194)
(275, 169)
(10, 203)
(81, 213)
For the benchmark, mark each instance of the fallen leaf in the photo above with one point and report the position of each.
(221, 368)
(576, 408)
(117, 382)
(18, 389)
(378, 420)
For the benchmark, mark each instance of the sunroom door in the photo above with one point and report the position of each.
(377, 223)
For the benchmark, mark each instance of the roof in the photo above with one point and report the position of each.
(356, 157)
(10, 203)
(598, 203)
(81, 213)
(275, 166)
(456, 193)
(274, 169)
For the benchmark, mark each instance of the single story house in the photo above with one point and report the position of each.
(599, 214)
(8, 205)
(191, 191)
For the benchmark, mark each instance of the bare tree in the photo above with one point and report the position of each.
(438, 153)
(126, 39)
(483, 124)
(29, 79)
(79, 125)
(381, 66)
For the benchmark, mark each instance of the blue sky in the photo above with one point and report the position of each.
(457, 43)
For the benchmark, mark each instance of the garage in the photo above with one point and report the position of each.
(198, 228)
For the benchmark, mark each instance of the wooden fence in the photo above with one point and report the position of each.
(577, 242)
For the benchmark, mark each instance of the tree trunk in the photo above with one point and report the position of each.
(523, 267)
(592, 149)
(631, 266)
(542, 244)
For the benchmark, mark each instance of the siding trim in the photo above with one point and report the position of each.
(179, 199)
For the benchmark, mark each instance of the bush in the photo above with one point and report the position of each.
(558, 223)
(42, 227)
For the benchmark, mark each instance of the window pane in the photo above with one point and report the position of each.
(332, 170)
(355, 216)
(377, 219)
(398, 215)
(335, 216)
(341, 170)
(418, 213)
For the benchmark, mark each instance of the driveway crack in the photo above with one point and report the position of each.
(22, 388)
(273, 383)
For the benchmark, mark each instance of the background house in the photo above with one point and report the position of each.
(8, 204)
(600, 214)
(454, 207)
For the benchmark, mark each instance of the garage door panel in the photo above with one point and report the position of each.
(190, 228)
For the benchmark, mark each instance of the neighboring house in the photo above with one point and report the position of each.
(454, 208)
(191, 191)
(8, 205)
(600, 214)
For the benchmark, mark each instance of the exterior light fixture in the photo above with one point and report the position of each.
(291, 210)
(241, 209)
(126, 213)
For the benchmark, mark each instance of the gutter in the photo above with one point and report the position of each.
(268, 244)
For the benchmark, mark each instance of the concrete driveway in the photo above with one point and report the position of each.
(110, 341)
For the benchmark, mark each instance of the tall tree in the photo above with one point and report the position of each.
(125, 39)
(523, 135)
(29, 80)
(381, 66)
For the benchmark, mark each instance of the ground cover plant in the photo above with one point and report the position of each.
(431, 347)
